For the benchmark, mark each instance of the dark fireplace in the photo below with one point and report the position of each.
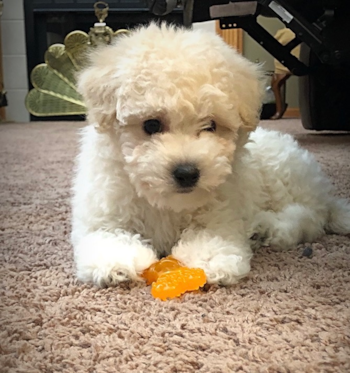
(49, 21)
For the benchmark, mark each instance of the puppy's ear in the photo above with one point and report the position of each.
(98, 85)
(251, 91)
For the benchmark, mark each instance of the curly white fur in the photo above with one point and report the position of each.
(127, 210)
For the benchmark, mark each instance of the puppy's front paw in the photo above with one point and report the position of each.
(226, 269)
(106, 259)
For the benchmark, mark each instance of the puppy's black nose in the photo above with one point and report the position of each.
(186, 175)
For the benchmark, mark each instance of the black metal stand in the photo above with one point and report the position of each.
(310, 34)
(260, 35)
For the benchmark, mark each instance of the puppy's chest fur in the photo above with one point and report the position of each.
(162, 227)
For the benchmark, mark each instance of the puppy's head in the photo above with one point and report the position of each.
(179, 101)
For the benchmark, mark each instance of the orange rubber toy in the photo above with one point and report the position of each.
(170, 279)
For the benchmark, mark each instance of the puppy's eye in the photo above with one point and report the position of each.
(211, 127)
(152, 126)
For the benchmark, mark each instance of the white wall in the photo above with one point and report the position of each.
(14, 60)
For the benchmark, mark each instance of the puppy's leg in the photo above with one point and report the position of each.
(222, 254)
(109, 258)
(294, 224)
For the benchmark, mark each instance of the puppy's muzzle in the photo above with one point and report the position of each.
(186, 175)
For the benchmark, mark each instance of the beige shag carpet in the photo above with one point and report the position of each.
(291, 315)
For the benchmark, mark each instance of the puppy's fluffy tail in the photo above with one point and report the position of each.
(339, 217)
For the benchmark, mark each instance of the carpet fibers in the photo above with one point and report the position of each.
(290, 315)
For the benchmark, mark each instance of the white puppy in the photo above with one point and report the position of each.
(166, 165)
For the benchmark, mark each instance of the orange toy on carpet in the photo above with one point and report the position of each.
(170, 279)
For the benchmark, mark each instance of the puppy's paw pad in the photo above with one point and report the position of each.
(112, 278)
